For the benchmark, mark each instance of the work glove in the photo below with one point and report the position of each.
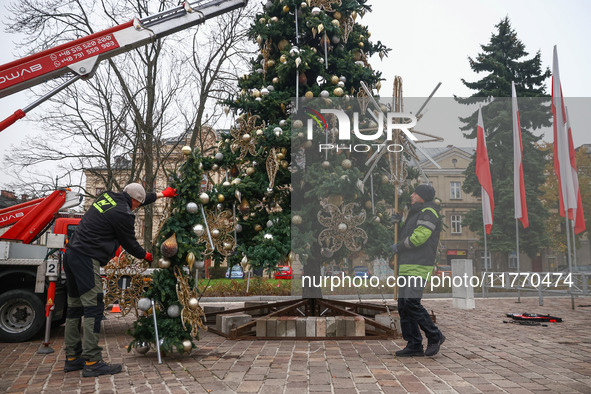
(395, 248)
(149, 257)
(396, 218)
(169, 192)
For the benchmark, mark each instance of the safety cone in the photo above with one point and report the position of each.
(116, 308)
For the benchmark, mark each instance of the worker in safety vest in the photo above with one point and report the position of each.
(417, 247)
(107, 224)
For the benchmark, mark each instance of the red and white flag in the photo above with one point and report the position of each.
(518, 182)
(483, 174)
(578, 215)
(563, 166)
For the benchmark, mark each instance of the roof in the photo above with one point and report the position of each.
(443, 151)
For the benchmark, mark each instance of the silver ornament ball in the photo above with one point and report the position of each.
(173, 311)
(199, 230)
(144, 304)
(192, 207)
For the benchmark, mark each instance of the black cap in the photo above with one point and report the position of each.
(425, 191)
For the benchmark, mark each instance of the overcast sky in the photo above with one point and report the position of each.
(431, 41)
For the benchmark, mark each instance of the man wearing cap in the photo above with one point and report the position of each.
(108, 224)
(417, 246)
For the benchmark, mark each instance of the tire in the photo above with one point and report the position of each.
(22, 315)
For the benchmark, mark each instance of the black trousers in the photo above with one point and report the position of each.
(413, 316)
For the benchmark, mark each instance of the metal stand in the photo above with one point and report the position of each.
(156, 332)
(49, 307)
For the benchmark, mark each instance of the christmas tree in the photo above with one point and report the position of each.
(181, 245)
(503, 61)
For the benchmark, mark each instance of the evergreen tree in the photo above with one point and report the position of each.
(503, 61)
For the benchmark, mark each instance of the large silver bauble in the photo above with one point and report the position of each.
(142, 348)
(192, 207)
(199, 230)
(173, 311)
(144, 304)
(342, 227)
(199, 264)
(219, 156)
(186, 150)
(204, 197)
(238, 228)
(215, 233)
(163, 263)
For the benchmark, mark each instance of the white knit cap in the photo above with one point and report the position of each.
(136, 191)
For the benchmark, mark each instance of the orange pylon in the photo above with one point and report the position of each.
(116, 308)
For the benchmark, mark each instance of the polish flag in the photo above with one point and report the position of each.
(518, 183)
(564, 164)
(578, 214)
(483, 174)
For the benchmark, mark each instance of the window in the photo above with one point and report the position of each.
(456, 224)
(512, 260)
(455, 191)
(485, 260)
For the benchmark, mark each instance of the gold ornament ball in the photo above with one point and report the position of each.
(309, 94)
(284, 163)
(258, 227)
(297, 220)
(186, 150)
(361, 44)
(283, 58)
(338, 92)
(250, 171)
(342, 227)
(163, 263)
(256, 93)
(187, 345)
(204, 197)
(368, 204)
(385, 179)
(274, 19)
(334, 79)
(228, 246)
(282, 44)
(280, 156)
(193, 303)
(270, 63)
(298, 124)
(275, 80)
(357, 56)
(337, 15)
(307, 144)
(346, 164)
(285, 9)
(259, 132)
(262, 21)
(336, 23)
(325, 164)
(215, 233)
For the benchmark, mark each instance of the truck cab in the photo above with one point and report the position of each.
(29, 256)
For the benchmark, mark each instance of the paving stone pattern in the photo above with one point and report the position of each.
(481, 354)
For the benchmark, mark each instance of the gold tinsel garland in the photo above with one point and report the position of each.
(124, 268)
(191, 313)
(341, 227)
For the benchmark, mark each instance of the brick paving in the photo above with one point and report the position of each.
(481, 354)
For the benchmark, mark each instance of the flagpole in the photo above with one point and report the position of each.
(568, 258)
(518, 265)
(574, 246)
(485, 252)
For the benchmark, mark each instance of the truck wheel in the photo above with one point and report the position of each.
(22, 315)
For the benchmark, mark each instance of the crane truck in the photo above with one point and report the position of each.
(27, 270)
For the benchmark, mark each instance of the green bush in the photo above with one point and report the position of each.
(217, 272)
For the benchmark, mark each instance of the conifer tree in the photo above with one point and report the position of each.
(503, 60)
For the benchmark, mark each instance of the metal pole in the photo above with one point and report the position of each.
(156, 332)
(574, 246)
(568, 257)
(518, 266)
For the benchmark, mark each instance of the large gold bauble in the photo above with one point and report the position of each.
(338, 92)
(186, 150)
(309, 94)
(283, 58)
(280, 156)
(249, 170)
(164, 263)
(282, 44)
(276, 80)
(270, 63)
(326, 164)
(346, 164)
(285, 9)
(337, 15)
(296, 219)
(204, 197)
(258, 227)
(228, 246)
(368, 204)
(193, 303)
(187, 345)
(221, 198)
(336, 23)
(361, 44)
(357, 56)
(215, 233)
(334, 79)
(298, 124)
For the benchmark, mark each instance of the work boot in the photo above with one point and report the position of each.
(100, 368)
(433, 348)
(406, 352)
(74, 365)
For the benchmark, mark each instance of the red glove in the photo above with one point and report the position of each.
(149, 257)
(169, 192)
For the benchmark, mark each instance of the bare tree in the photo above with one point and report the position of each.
(122, 120)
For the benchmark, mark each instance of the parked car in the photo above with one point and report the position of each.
(361, 271)
(235, 272)
(443, 269)
(335, 272)
(283, 272)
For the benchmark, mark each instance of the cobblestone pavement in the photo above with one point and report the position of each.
(481, 354)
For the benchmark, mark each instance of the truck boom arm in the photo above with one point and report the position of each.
(83, 55)
(31, 218)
